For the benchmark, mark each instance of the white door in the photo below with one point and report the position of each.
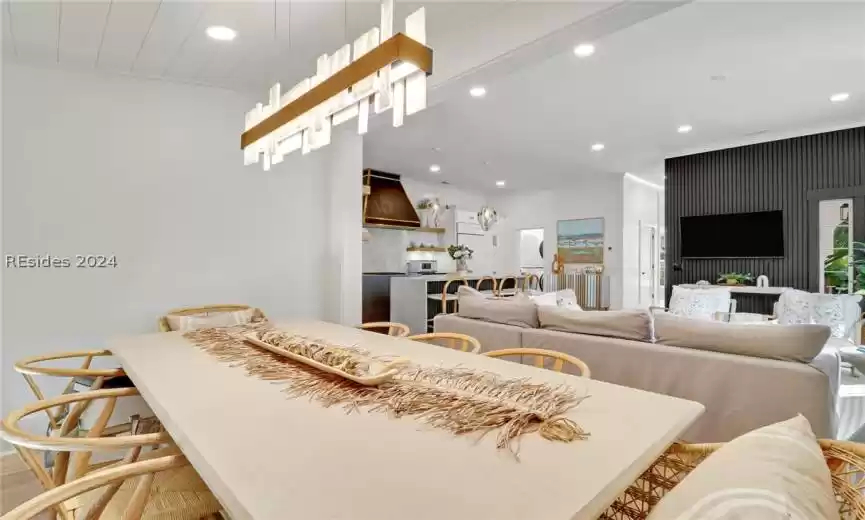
(482, 245)
(647, 266)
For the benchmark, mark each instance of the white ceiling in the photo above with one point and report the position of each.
(779, 61)
(278, 40)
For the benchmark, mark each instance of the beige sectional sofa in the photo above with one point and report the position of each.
(740, 392)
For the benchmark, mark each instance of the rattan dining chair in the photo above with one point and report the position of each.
(181, 494)
(134, 488)
(242, 314)
(84, 376)
(393, 329)
(450, 340)
(541, 356)
(845, 461)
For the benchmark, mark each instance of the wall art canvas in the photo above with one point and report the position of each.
(581, 241)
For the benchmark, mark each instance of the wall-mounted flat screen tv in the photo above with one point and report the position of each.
(734, 235)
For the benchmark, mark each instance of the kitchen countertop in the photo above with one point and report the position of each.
(451, 276)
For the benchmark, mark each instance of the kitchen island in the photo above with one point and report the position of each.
(375, 296)
(416, 299)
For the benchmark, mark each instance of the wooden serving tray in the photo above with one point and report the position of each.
(388, 372)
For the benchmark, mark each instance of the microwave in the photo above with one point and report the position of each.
(421, 266)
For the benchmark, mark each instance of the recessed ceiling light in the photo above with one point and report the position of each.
(435, 168)
(500, 183)
(839, 97)
(478, 92)
(222, 33)
(684, 129)
(597, 147)
(584, 50)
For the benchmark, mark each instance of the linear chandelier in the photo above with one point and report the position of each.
(382, 69)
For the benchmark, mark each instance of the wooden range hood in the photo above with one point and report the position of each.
(385, 203)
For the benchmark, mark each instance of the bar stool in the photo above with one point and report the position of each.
(510, 292)
(446, 297)
(495, 288)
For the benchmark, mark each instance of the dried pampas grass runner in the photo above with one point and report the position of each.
(458, 399)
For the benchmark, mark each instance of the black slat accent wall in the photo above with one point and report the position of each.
(760, 177)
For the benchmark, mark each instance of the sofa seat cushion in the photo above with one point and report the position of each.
(632, 324)
(800, 342)
(518, 310)
(740, 393)
(777, 471)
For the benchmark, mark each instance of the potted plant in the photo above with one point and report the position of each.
(735, 278)
(425, 208)
(460, 253)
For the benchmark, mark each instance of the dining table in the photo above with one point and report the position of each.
(267, 456)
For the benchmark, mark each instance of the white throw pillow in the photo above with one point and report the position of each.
(567, 298)
(772, 473)
(699, 303)
(545, 299)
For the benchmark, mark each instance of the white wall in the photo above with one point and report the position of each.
(152, 172)
(641, 207)
(344, 164)
(386, 249)
(587, 196)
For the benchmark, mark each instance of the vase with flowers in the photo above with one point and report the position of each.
(461, 254)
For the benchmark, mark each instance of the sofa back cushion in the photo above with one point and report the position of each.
(519, 310)
(493, 336)
(798, 342)
(632, 324)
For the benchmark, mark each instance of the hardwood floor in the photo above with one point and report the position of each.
(17, 484)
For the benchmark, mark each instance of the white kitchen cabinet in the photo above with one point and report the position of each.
(466, 217)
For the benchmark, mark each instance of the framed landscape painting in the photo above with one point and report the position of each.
(581, 241)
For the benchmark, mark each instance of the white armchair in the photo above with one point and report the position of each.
(840, 312)
(699, 304)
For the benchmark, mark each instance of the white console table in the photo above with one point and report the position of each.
(744, 289)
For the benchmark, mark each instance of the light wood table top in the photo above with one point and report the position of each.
(267, 457)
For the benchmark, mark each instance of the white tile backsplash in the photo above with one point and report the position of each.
(386, 250)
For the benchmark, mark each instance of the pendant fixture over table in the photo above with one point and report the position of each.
(384, 70)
